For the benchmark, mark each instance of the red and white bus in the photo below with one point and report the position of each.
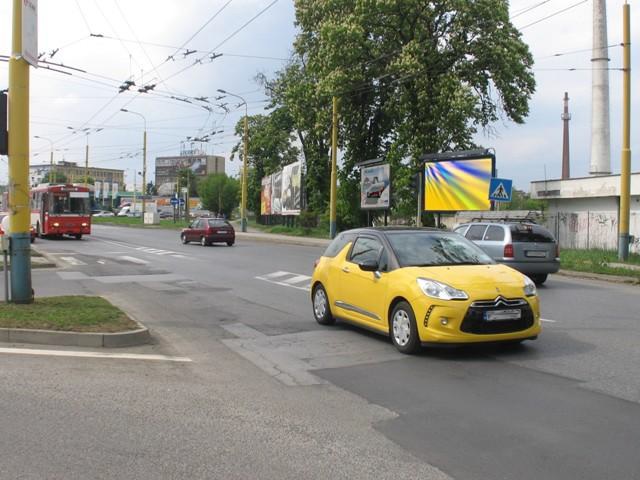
(58, 210)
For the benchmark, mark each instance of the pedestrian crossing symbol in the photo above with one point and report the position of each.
(500, 190)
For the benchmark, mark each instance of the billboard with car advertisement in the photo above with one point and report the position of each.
(458, 184)
(265, 196)
(375, 186)
(291, 191)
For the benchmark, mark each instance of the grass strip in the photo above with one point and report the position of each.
(67, 313)
(136, 222)
(597, 261)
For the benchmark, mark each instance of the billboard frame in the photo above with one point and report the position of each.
(462, 155)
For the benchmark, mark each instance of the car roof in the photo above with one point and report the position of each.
(394, 229)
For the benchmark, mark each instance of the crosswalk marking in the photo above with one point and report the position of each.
(72, 260)
(139, 261)
(294, 280)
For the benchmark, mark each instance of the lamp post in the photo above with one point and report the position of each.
(243, 203)
(87, 132)
(51, 172)
(144, 157)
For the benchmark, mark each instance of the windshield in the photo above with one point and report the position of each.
(63, 203)
(434, 248)
(218, 223)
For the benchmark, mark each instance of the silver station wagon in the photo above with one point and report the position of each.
(527, 247)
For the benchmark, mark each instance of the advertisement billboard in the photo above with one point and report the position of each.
(458, 184)
(375, 186)
(276, 193)
(291, 191)
(265, 196)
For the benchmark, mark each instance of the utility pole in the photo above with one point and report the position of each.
(20, 212)
(566, 116)
(86, 164)
(334, 167)
(51, 172)
(625, 167)
(144, 159)
(243, 201)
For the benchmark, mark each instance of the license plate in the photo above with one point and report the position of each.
(497, 315)
(222, 231)
(535, 253)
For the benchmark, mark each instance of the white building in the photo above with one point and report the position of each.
(584, 212)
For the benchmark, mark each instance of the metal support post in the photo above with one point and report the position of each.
(334, 174)
(625, 166)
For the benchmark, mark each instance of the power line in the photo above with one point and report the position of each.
(83, 17)
(528, 9)
(576, 51)
(553, 14)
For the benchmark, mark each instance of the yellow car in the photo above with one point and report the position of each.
(421, 287)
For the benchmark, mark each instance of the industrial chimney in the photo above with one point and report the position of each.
(600, 135)
(566, 116)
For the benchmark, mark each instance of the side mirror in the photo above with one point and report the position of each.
(369, 266)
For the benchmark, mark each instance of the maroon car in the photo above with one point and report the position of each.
(207, 231)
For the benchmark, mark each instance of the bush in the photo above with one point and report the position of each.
(308, 219)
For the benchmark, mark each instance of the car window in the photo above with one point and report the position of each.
(494, 234)
(366, 249)
(460, 230)
(476, 232)
(338, 244)
(428, 249)
(218, 223)
(524, 233)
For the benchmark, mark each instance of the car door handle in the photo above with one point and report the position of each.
(345, 269)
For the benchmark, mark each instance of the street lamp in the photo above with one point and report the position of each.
(144, 157)
(243, 204)
(87, 132)
(51, 172)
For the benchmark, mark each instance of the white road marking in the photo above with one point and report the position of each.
(297, 279)
(72, 260)
(286, 282)
(139, 261)
(101, 262)
(179, 256)
(150, 250)
(71, 353)
(547, 320)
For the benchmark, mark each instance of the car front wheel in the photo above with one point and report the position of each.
(321, 310)
(183, 239)
(403, 330)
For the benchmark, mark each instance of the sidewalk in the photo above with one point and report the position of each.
(255, 234)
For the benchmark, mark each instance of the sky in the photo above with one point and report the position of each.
(141, 39)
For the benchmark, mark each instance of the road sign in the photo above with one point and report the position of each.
(30, 31)
(174, 201)
(500, 190)
(182, 201)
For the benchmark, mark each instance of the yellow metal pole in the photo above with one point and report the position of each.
(625, 166)
(144, 170)
(20, 212)
(86, 164)
(243, 207)
(334, 172)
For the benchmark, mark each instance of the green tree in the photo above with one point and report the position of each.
(59, 177)
(219, 193)
(521, 200)
(412, 77)
(151, 189)
(270, 146)
(186, 177)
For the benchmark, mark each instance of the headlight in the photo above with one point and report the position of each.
(439, 290)
(529, 287)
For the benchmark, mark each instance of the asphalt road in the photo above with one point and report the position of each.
(271, 394)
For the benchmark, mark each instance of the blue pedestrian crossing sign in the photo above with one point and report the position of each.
(174, 201)
(500, 189)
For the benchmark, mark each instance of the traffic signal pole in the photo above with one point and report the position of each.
(19, 208)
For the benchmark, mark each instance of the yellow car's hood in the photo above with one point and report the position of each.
(472, 276)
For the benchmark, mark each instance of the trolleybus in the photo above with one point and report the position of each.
(58, 210)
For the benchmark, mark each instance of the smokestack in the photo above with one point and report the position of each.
(600, 135)
(566, 116)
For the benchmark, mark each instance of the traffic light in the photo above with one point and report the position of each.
(4, 131)
(415, 182)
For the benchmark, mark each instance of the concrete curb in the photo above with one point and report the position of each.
(131, 338)
(600, 276)
(285, 239)
(50, 258)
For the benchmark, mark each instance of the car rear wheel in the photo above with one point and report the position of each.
(183, 239)
(321, 310)
(403, 330)
(539, 279)
(230, 244)
(78, 236)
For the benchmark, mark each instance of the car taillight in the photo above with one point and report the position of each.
(508, 251)
(315, 264)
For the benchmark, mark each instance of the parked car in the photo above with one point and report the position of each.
(527, 247)
(421, 287)
(32, 229)
(209, 230)
(103, 213)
